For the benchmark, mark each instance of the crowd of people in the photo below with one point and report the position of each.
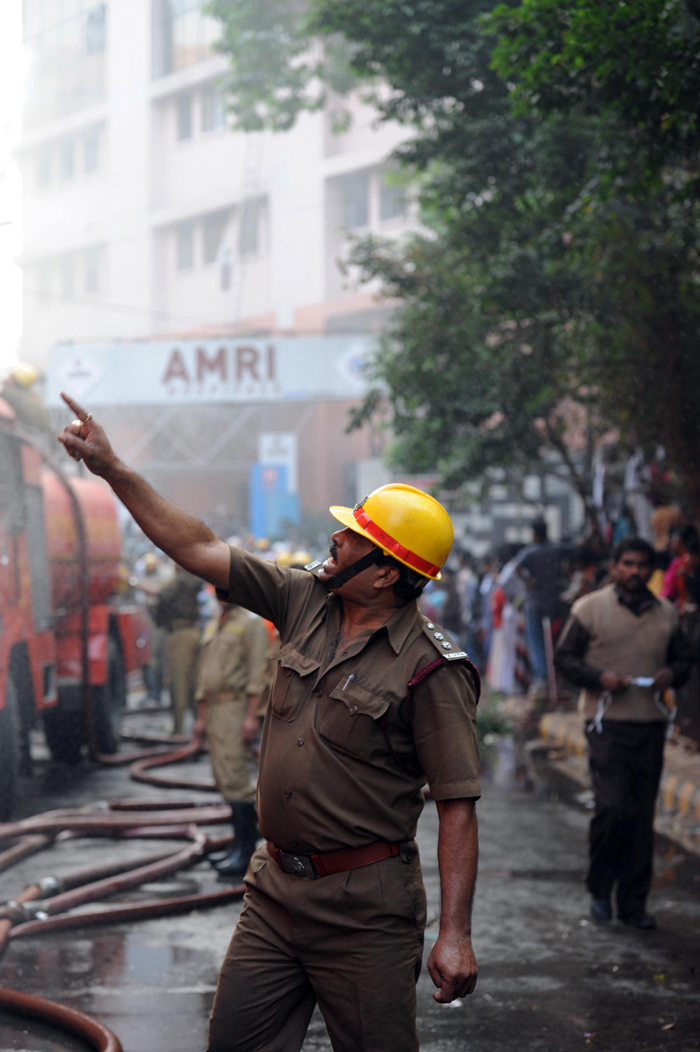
(508, 607)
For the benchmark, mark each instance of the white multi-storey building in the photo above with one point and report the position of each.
(147, 217)
(145, 214)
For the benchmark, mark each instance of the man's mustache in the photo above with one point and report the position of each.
(333, 549)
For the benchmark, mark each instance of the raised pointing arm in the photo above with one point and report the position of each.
(184, 537)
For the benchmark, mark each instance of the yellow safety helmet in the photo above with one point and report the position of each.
(24, 374)
(300, 557)
(405, 523)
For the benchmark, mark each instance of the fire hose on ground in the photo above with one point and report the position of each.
(44, 906)
(69, 1019)
(37, 908)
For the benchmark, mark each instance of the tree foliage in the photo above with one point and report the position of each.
(557, 155)
(278, 68)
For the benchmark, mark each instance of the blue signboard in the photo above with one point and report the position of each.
(272, 509)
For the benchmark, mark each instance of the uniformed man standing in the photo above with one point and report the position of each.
(370, 702)
(230, 681)
(156, 575)
(19, 391)
(177, 611)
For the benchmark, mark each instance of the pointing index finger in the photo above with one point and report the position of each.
(77, 409)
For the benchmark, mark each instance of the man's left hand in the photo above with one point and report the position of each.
(663, 679)
(452, 967)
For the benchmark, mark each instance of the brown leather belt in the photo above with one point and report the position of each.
(313, 866)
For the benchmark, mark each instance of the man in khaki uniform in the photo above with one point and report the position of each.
(230, 682)
(370, 702)
(156, 575)
(177, 611)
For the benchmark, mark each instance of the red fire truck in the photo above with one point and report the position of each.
(66, 646)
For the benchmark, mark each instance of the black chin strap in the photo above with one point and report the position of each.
(339, 579)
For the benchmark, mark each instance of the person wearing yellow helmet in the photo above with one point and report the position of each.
(24, 374)
(300, 559)
(18, 392)
(370, 702)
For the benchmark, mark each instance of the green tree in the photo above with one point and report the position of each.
(278, 68)
(558, 183)
(632, 72)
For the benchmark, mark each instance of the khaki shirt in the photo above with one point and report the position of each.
(232, 654)
(328, 776)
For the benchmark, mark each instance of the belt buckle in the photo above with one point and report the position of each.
(298, 865)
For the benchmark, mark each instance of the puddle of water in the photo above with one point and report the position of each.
(142, 962)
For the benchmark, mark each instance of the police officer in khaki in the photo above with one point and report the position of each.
(231, 667)
(370, 702)
(177, 611)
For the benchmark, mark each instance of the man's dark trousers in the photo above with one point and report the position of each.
(626, 760)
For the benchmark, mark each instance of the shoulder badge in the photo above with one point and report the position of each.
(313, 565)
(443, 644)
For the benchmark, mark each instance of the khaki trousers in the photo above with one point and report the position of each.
(230, 756)
(183, 650)
(353, 942)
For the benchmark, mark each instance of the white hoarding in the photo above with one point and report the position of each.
(186, 371)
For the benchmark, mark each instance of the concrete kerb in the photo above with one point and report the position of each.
(678, 808)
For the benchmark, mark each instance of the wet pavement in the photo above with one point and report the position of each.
(550, 979)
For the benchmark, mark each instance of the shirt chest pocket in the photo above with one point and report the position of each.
(348, 718)
(293, 683)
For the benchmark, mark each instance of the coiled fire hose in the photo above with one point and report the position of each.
(44, 906)
(68, 1019)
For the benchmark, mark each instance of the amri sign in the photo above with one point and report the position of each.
(166, 373)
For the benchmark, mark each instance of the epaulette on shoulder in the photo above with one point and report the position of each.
(443, 644)
(450, 651)
(313, 565)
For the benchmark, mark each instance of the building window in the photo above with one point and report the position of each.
(213, 228)
(66, 273)
(43, 167)
(183, 35)
(91, 150)
(393, 203)
(184, 239)
(91, 269)
(66, 43)
(66, 158)
(213, 112)
(249, 227)
(354, 200)
(184, 115)
(96, 30)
